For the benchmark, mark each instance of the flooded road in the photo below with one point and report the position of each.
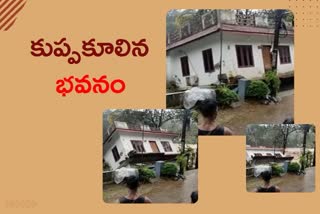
(161, 191)
(288, 182)
(251, 112)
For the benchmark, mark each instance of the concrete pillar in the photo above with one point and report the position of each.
(242, 86)
(285, 166)
(158, 167)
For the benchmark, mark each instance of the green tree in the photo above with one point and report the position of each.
(284, 131)
(306, 128)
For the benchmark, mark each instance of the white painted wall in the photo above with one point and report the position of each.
(290, 152)
(194, 52)
(122, 149)
(250, 153)
(229, 63)
(123, 139)
(126, 138)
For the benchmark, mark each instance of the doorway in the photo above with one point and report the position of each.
(267, 58)
(154, 147)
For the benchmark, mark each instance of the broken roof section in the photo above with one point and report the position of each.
(240, 21)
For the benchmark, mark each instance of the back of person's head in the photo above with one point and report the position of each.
(288, 120)
(266, 176)
(194, 197)
(208, 108)
(133, 182)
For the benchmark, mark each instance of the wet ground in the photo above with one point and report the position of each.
(253, 112)
(288, 182)
(161, 191)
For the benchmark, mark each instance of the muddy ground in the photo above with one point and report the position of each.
(160, 191)
(253, 112)
(288, 182)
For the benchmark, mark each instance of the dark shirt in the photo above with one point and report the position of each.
(219, 130)
(125, 200)
(269, 189)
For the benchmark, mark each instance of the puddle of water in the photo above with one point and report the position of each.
(162, 191)
(288, 182)
(255, 113)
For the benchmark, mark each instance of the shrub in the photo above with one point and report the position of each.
(277, 170)
(309, 157)
(172, 85)
(273, 82)
(182, 161)
(303, 162)
(294, 167)
(169, 169)
(226, 96)
(192, 157)
(257, 89)
(145, 174)
(106, 166)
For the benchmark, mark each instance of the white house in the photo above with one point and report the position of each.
(263, 155)
(252, 152)
(243, 45)
(126, 144)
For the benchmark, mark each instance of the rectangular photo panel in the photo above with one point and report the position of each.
(150, 156)
(280, 158)
(244, 56)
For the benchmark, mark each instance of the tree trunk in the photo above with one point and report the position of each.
(305, 132)
(285, 139)
(188, 158)
(314, 155)
(160, 119)
(184, 128)
(196, 165)
(278, 18)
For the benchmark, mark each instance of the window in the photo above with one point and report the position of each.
(115, 153)
(278, 155)
(208, 60)
(185, 66)
(138, 146)
(284, 54)
(166, 146)
(244, 56)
